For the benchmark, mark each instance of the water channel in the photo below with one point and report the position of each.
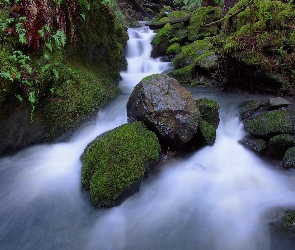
(223, 197)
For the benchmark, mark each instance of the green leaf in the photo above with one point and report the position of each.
(49, 46)
(6, 75)
(32, 97)
(19, 98)
(83, 16)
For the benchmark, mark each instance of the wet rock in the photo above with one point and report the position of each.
(249, 109)
(254, 144)
(208, 121)
(279, 144)
(289, 158)
(166, 108)
(276, 103)
(114, 164)
(269, 124)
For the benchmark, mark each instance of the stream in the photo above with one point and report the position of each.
(222, 197)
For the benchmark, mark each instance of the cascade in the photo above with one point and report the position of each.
(222, 197)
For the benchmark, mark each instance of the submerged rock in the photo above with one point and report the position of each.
(114, 164)
(165, 107)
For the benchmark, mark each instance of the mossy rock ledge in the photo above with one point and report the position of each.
(114, 164)
(270, 132)
(171, 111)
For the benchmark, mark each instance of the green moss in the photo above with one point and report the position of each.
(201, 16)
(191, 53)
(183, 75)
(116, 160)
(288, 219)
(175, 48)
(98, 42)
(178, 15)
(289, 158)
(292, 39)
(268, 124)
(179, 36)
(78, 93)
(209, 111)
(249, 108)
(279, 144)
(208, 132)
(254, 144)
(161, 41)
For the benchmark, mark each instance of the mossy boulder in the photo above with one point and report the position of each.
(114, 164)
(279, 144)
(259, 146)
(179, 36)
(289, 158)
(249, 108)
(173, 49)
(209, 120)
(173, 17)
(165, 107)
(269, 124)
(184, 75)
(200, 17)
(161, 41)
(288, 220)
(199, 53)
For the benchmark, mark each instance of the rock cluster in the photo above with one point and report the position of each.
(271, 127)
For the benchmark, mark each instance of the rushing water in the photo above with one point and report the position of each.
(222, 197)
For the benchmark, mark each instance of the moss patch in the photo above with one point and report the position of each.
(200, 17)
(116, 160)
(249, 108)
(289, 158)
(161, 41)
(268, 124)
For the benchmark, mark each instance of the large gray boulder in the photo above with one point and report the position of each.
(166, 108)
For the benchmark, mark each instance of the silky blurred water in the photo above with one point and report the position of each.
(222, 197)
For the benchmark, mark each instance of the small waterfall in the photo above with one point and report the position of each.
(220, 198)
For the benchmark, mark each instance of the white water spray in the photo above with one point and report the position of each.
(220, 198)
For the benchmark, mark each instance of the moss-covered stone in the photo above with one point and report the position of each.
(257, 145)
(116, 160)
(191, 54)
(279, 144)
(173, 17)
(207, 132)
(161, 41)
(184, 75)
(249, 108)
(209, 120)
(289, 158)
(269, 124)
(201, 16)
(77, 94)
(209, 111)
(288, 219)
(175, 48)
(179, 36)
(264, 43)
